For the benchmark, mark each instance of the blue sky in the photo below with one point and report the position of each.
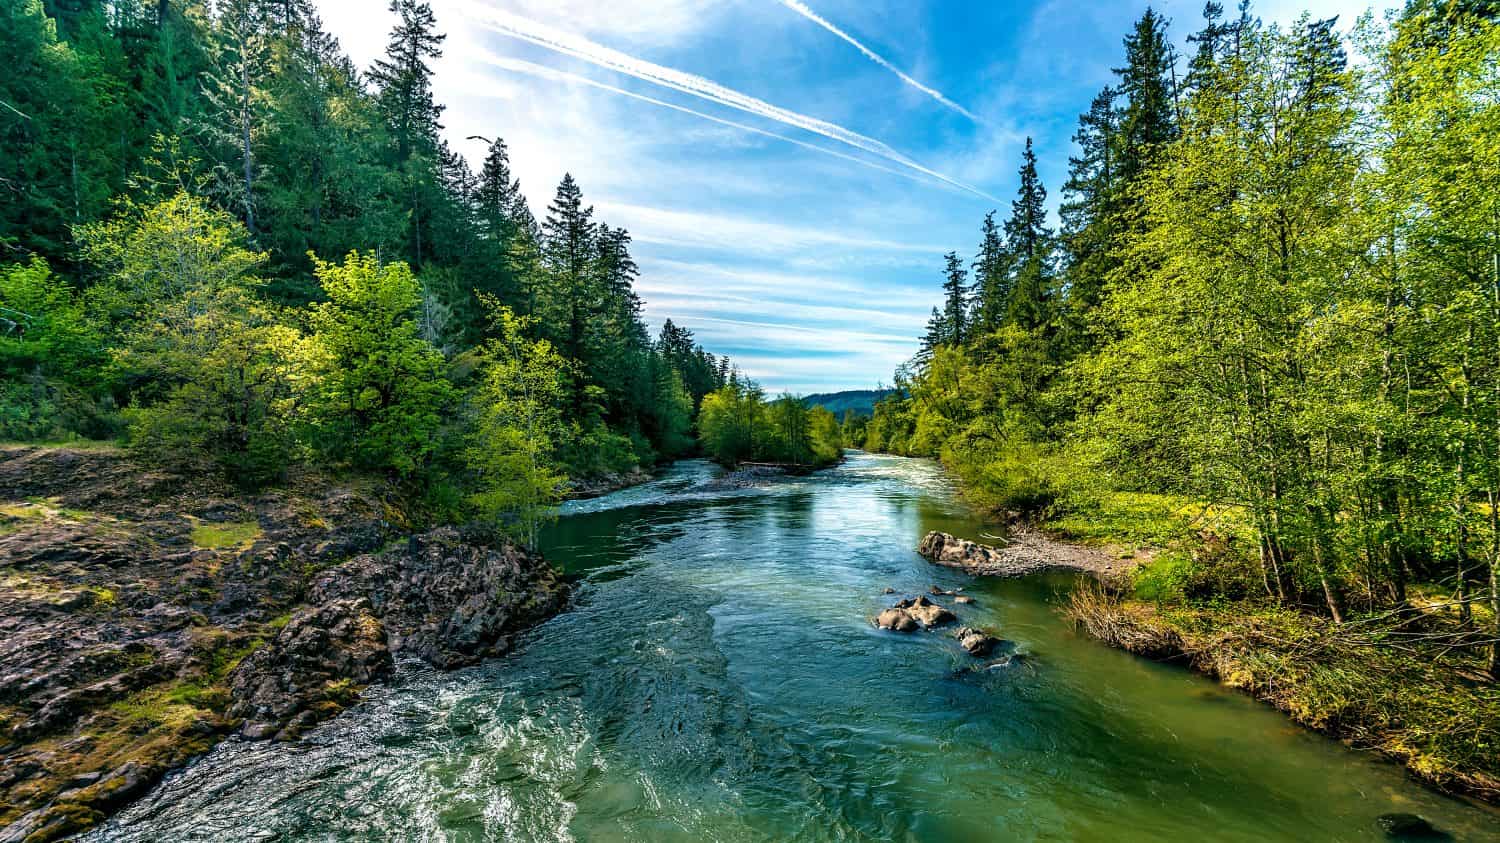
(792, 171)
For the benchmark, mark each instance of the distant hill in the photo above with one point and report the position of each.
(861, 401)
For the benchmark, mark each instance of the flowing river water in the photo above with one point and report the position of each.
(718, 679)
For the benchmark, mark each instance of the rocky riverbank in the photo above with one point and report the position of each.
(1024, 551)
(145, 615)
(599, 486)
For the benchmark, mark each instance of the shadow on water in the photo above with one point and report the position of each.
(718, 679)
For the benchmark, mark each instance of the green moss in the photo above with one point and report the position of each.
(220, 536)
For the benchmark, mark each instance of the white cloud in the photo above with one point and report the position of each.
(707, 230)
(571, 44)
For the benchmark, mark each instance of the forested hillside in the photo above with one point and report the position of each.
(1265, 334)
(223, 242)
(861, 402)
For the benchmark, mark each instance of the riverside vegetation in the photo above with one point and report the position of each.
(292, 388)
(1265, 340)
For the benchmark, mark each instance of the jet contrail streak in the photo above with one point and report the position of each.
(524, 29)
(544, 72)
(802, 9)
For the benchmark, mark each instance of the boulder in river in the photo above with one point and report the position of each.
(896, 620)
(977, 642)
(1410, 827)
(928, 613)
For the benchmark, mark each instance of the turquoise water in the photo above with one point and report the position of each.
(718, 679)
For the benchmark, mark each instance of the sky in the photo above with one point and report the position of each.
(792, 171)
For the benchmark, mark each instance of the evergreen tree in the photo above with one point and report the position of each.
(1089, 205)
(1030, 241)
(992, 279)
(403, 80)
(569, 249)
(1149, 120)
(955, 301)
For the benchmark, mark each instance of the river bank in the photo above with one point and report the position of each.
(147, 615)
(1389, 684)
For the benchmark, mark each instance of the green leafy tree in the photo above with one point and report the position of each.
(513, 447)
(381, 390)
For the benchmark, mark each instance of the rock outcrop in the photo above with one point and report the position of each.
(926, 612)
(145, 614)
(445, 597)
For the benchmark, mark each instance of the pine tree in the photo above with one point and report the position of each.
(1089, 204)
(1026, 229)
(991, 278)
(403, 80)
(1149, 121)
(497, 197)
(1030, 241)
(955, 301)
(568, 250)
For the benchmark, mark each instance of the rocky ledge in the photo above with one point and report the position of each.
(144, 615)
(1025, 552)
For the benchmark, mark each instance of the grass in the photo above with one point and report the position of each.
(1145, 519)
(226, 535)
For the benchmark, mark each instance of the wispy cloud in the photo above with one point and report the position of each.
(709, 230)
(802, 9)
(576, 46)
(544, 72)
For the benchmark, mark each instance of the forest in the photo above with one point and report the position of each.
(222, 243)
(1265, 332)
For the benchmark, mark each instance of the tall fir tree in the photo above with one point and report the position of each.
(992, 281)
(571, 295)
(1149, 121)
(955, 301)
(403, 80)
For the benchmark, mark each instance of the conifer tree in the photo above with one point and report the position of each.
(403, 80)
(991, 278)
(955, 301)
(569, 251)
(1089, 204)
(1030, 241)
(1149, 121)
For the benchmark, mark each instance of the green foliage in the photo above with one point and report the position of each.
(1272, 345)
(518, 427)
(737, 424)
(380, 388)
(51, 356)
(230, 534)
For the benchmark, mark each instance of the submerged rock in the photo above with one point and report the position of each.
(1410, 827)
(961, 599)
(977, 642)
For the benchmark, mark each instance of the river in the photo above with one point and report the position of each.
(718, 679)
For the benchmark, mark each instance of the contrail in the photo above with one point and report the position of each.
(578, 47)
(544, 72)
(802, 9)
